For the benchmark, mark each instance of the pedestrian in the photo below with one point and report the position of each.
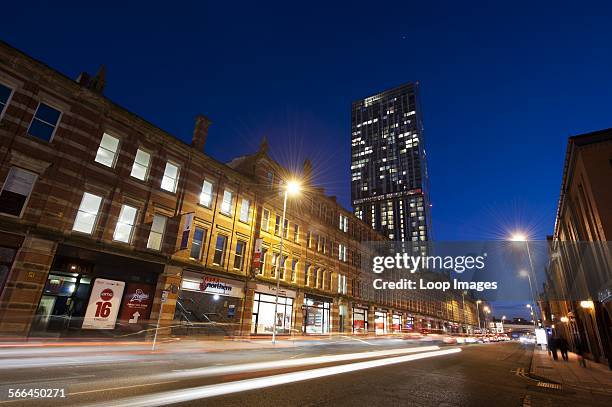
(563, 347)
(580, 353)
(553, 347)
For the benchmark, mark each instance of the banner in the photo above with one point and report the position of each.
(103, 305)
(137, 302)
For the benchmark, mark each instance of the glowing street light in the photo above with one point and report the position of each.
(292, 187)
(564, 319)
(587, 304)
(523, 237)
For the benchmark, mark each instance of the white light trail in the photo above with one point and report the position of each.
(196, 393)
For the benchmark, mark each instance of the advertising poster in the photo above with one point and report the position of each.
(137, 302)
(103, 305)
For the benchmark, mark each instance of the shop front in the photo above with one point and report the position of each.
(409, 324)
(209, 304)
(317, 315)
(91, 293)
(360, 319)
(396, 323)
(264, 303)
(380, 322)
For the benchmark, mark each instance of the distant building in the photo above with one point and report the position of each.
(577, 299)
(389, 182)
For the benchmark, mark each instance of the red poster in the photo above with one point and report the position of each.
(137, 301)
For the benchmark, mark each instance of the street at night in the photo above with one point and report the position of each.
(470, 375)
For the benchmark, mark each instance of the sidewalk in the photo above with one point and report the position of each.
(596, 377)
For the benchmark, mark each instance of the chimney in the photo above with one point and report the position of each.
(200, 132)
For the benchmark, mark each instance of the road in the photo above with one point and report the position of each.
(339, 372)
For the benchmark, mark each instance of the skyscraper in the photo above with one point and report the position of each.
(389, 183)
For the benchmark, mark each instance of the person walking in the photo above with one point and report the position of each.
(563, 347)
(553, 347)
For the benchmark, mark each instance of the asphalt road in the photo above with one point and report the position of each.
(315, 373)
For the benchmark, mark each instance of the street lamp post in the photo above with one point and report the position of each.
(292, 187)
(478, 314)
(520, 237)
(524, 273)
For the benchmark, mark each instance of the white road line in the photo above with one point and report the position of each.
(120, 388)
(287, 363)
(196, 393)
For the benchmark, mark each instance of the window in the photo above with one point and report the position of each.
(226, 205)
(281, 267)
(44, 122)
(140, 168)
(244, 210)
(341, 252)
(170, 178)
(265, 220)
(342, 284)
(87, 213)
(296, 232)
(125, 224)
(274, 264)
(207, 193)
(239, 255)
(286, 228)
(219, 256)
(277, 225)
(329, 280)
(344, 223)
(308, 240)
(157, 232)
(315, 275)
(197, 243)
(294, 263)
(16, 191)
(107, 151)
(307, 274)
(262, 267)
(5, 95)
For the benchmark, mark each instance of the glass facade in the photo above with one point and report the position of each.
(317, 315)
(263, 314)
(360, 320)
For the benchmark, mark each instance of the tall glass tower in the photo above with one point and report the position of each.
(389, 183)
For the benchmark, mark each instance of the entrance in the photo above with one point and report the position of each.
(317, 315)
(380, 322)
(360, 320)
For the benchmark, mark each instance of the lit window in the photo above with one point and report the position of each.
(107, 151)
(157, 232)
(294, 264)
(199, 236)
(220, 250)
(125, 224)
(206, 194)
(239, 254)
(44, 122)
(265, 220)
(140, 168)
(87, 213)
(277, 225)
(170, 178)
(16, 191)
(5, 95)
(296, 232)
(226, 205)
(244, 210)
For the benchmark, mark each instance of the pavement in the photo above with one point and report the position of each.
(594, 378)
(338, 371)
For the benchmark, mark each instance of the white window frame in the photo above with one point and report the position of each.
(176, 180)
(59, 120)
(265, 220)
(8, 100)
(148, 167)
(131, 225)
(244, 213)
(210, 197)
(25, 203)
(115, 153)
(230, 204)
(161, 234)
(96, 215)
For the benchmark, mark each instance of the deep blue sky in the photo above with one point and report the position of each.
(502, 85)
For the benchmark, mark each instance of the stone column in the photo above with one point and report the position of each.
(24, 286)
(169, 280)
(247, 316)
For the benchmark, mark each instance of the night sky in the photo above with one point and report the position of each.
(502, 85)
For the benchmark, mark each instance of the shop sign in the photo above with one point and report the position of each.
(137, 302)
(269, 289)
(213, 285)
(357, 305)
(103, 305)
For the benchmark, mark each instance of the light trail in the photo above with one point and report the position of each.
(287, 363)
(196, 393)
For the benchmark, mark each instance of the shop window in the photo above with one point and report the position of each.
(226, 204)
(206, 195)
(16, 191)
(87, 214)
(265, 220)
(197, 243)
(264, 321)
(125, 224)
(220, 246)
(5, 96)
(156, 235)
(171, 177)
(244, 210)
(294, 269)
(140, 168)
(107, 151)
(45, 122)
(239, 254)
(316, 316)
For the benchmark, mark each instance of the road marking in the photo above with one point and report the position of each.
(549, 385)
(360, 340)
(121, 388)
(196, 393)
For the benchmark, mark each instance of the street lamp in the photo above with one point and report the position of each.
(525, 273)
(478, 314)
(291, 188)
(522, 237)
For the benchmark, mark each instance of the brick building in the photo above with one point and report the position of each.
(103, 215)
